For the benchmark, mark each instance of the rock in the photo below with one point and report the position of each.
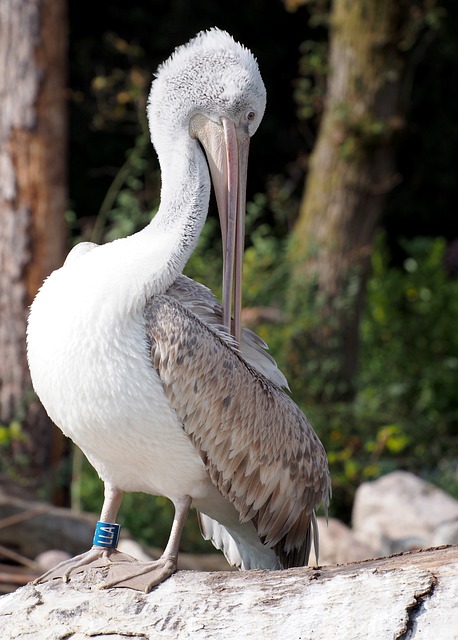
(446, 533)
(338, 544)
(400, 512)
(132, 548)
(50, 559)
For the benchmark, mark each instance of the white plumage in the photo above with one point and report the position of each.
(134, 362)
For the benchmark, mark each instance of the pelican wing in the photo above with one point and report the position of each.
(258, 447)
(200, 301)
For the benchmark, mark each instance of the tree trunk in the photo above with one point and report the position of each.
(412, 595)
(351, 169)
(32, 205)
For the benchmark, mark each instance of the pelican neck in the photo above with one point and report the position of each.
(185, 194)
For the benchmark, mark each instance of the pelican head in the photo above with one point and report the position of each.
(211, 90)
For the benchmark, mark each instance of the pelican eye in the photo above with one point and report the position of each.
(250, 116)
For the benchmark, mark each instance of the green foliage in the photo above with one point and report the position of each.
(125, 208)
(405, 411)
(263, 270)
(12, 458)
(10, 433)
(410, 345)
(316, 353)
(310, 87)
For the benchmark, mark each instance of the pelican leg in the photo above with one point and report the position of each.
(97, 556)
(143, 577)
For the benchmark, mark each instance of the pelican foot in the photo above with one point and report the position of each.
(140, 576)
(95, 558)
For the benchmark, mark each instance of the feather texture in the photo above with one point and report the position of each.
(257, 446)
(200, 300)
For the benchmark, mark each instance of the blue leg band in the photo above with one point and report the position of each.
(106, 535)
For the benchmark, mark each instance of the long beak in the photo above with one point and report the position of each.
(226, 147)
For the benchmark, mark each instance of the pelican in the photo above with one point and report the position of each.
(152, 377)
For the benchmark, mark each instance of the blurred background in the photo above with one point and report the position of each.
(351, 272)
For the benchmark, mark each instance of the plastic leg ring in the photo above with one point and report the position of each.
(106, 535)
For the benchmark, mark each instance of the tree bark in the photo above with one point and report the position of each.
(33, 199)
(412, 595)
(351, 170)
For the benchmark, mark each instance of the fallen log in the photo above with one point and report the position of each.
(407, 596)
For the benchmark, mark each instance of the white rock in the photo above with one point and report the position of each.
(338, 544)
(400, 511)
(446, 533)
(132, 548)
(50, 559)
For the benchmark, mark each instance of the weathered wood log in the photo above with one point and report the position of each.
(411, 595)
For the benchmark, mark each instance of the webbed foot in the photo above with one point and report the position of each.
(140, 576)
(95, 558)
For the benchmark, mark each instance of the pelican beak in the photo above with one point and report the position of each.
(226, 146)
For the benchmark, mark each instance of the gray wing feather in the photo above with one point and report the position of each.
(201, 301)
(258, 447)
